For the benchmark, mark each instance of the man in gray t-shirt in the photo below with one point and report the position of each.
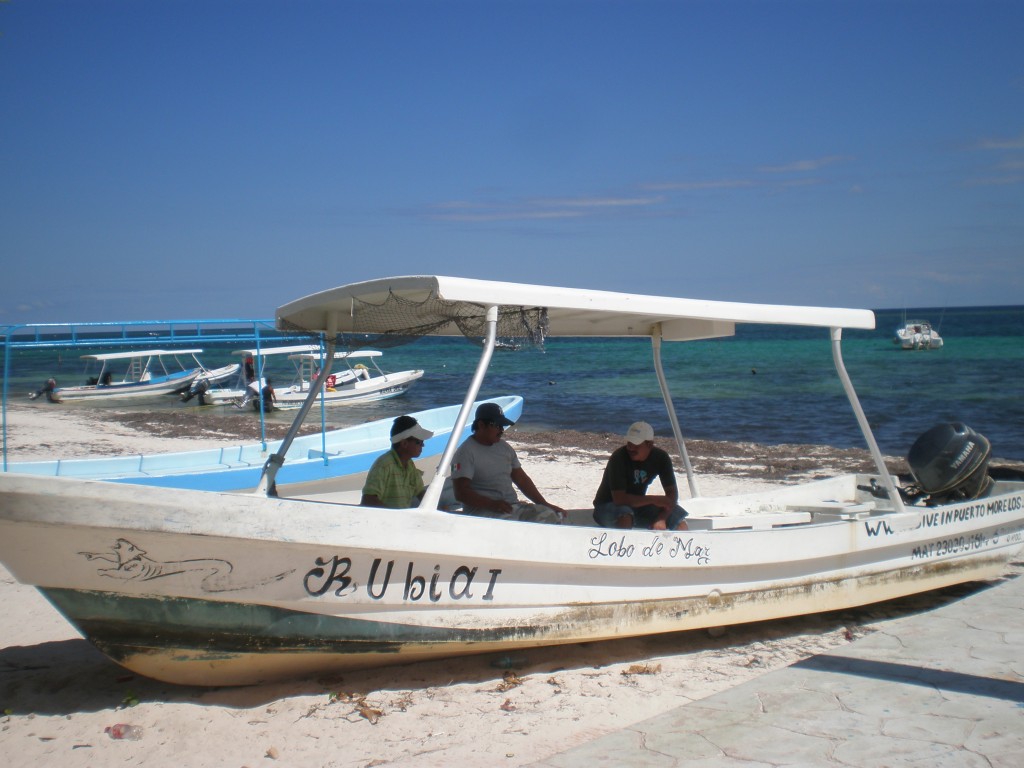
(486, 472)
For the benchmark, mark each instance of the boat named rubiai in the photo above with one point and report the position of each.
(215, 588)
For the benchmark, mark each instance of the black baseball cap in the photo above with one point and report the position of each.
(492, 413)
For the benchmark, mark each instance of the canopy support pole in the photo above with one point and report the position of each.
(3, 385)
(432, 495)
(259, 379)
(268, 480)
(691, 478)
(865, 428)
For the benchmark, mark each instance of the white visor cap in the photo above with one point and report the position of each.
(414, 431)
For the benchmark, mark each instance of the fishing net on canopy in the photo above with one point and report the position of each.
(406, 320)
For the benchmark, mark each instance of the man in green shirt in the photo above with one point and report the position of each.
(393, 480)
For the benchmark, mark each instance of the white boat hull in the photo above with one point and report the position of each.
(362, 391)
(215, 375)
(918, 334)
(216, 588)
(122, 391)
(220, 589)
(919, 342)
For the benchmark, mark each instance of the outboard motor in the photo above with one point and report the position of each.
(200, 386)
(950, 463)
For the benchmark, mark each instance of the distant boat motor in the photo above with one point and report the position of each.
(199, 387)
(950, 463)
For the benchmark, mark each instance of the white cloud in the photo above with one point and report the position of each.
(600, 202)
(994, 181)
(696, 186)
(1002, 144)
(536, 209)
(805, 166)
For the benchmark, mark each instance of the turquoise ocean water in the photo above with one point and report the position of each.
(765, 385)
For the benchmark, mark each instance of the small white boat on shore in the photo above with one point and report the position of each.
(134, 374)
(356, 383)
(212, 588)
(917, 334)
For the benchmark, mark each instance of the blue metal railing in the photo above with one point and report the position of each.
(129, 333)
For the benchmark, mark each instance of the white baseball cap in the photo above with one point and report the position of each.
(640, 432)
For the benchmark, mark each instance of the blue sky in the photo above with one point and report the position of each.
(214, 159)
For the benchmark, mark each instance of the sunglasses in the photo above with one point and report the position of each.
(415, 440)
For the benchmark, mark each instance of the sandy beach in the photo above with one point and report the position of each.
(59, 695)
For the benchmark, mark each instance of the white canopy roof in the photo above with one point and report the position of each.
(140, 353)
(268, 351)
(365, 353)
(305, 350)
(570, 311)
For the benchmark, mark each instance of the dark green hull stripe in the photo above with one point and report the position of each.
(113, 620)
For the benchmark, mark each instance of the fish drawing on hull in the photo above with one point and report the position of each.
(131, 563)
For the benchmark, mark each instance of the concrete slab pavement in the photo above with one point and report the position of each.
(943, 689)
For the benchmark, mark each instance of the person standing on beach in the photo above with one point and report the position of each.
(622, 500)
(486, 472)
(394, 481)
(268, 396)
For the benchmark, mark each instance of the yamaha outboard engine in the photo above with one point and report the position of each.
(950, 463)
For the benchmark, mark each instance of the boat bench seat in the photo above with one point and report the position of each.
(827, 511)
(753, 522)
(199, 461)
(315, 454)
(113, 466)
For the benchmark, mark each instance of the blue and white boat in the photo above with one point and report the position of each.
(334, 461)
(139, 373)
